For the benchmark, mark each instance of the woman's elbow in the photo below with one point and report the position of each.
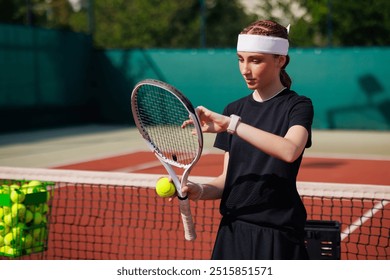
(292, 154)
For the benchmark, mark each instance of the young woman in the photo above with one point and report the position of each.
(264, 136)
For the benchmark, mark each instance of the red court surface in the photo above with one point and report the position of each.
(88, 226)
(313, 169)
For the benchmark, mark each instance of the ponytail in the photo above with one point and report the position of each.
(284, 77)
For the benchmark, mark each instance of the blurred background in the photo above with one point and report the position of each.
(75, 62)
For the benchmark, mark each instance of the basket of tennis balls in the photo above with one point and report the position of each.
(24, 209)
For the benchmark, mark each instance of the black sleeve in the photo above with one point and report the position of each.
(302, 113)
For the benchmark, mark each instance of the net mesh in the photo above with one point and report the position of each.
(109, 215)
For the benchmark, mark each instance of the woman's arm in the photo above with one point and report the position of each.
(287, 148)
(211, 190)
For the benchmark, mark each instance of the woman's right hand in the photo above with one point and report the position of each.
(193, 190)
(212, 122)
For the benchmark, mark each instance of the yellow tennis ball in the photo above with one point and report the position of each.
(165, 188)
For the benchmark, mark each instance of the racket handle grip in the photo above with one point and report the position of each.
(188, 223)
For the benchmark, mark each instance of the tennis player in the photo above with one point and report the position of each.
(264, 135)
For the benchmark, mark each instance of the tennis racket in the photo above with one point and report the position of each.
(159, 111)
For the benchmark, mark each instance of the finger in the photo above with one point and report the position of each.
(184, 189)
(187, 122)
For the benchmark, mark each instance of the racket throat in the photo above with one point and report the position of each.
(182, 197)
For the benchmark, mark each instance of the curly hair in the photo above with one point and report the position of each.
(274, 29)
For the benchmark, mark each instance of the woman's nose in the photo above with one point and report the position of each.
(245, 69)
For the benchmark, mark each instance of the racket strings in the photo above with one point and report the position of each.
(161, 114)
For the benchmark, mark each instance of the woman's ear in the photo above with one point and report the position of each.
(282, 60)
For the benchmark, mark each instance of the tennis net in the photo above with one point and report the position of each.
(111, 215)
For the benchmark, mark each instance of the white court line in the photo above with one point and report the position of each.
(135, 168)
(103, 156)
(346, 156)
(364, 218)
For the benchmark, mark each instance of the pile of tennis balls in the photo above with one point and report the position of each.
(23, 217)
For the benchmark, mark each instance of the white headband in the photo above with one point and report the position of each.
(262, 44)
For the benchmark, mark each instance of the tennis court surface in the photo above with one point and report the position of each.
(104, 205)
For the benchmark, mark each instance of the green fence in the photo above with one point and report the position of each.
(349, 88)
(52, 77)
(44, 77)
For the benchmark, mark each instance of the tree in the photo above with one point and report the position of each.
(225, 20)
(168, 23)
(320, 23)
(140, 23)
(362, 23)
(348, 22)
(179, 24)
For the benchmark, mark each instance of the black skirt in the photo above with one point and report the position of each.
(239, 240)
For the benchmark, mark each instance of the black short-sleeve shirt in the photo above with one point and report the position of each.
(259, 188)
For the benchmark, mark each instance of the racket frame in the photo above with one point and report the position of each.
(189, 228)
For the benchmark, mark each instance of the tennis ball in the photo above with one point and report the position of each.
(37, 218)
(6, 210)
(37, 208)
(18, 210)
(26, 189)
(5, 189)
(40, 238)
(14, 187)
(9, 239)
(29, 190)
(5, 250)
(27, 241)
(36, 233)
(29, 216)
(9, 220)
(17, 196)
(10, 251)
(35, 183)
(17, 230)
(4, 228)
(45, 208)
(165, 188)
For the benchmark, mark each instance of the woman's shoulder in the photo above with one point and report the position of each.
(293, 95)
(292, 98)
(235, 105)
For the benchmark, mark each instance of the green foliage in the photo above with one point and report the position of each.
(167, 24)
(12, 11)
(225, 20)
(136, 24)
(178, 24)
(346, 23)
(363, 23)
